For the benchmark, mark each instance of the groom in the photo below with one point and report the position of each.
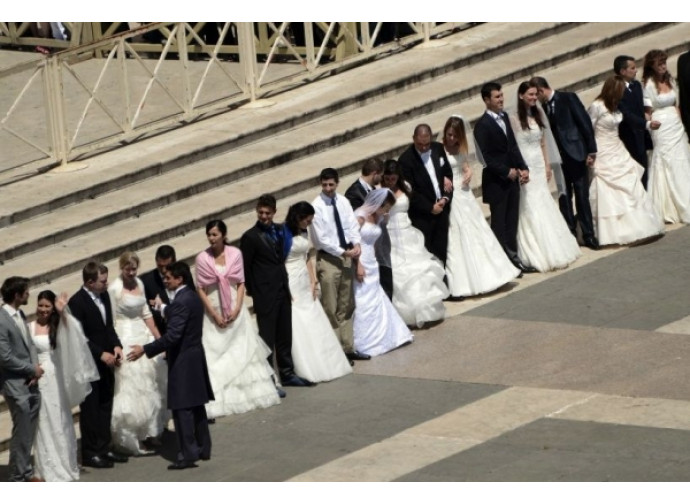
(19, 375)
(189, 386)
(572, 128)
(503, 173)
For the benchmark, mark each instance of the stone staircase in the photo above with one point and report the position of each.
(164, 189)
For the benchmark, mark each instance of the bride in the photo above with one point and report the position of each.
(377, 326)
(669, 172)
(316, 351)
(139, 403)
(68, 370)
(544, 239)
(623, 211)
(418, 288)
(476, 263)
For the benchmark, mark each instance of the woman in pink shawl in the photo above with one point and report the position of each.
(236, 355)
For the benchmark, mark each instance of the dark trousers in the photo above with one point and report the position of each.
(275, 328)
(504, 220)
(576, 183)
(386, 280)
(95, 413)
(193, 436)
(435, 231)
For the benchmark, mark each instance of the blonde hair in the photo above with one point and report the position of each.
(127, 258)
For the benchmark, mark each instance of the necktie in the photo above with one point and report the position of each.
(549, 109)
(19, 320)
(338, 225)
(501, 123)
(100, 306)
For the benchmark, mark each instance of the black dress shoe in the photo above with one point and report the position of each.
(281, 393)
(357, 356)
(592, 243)
(296, 381)
(116, 457)
(97, 462)
(525, 269)
(181, 464)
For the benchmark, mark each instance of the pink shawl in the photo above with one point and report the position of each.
(207, 274)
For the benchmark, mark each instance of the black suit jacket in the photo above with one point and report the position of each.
(101, 337)
(153, 286)
(683, 79)
(632, 130)
(356, 194)
(265, 276)
(501, 153)
(572, 127)
(423, 196)
(188, 381)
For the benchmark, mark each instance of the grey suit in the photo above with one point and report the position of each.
(17, 366)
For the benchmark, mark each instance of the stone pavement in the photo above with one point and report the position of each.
(578, 375)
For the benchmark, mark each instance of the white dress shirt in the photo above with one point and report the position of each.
(429, 165)
(324, 234)
(99, 303)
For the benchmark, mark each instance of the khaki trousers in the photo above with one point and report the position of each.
(335, 275)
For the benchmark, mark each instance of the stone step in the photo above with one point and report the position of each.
(213, 169)
(203, 139)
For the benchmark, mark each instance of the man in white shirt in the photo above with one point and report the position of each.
(335, 234)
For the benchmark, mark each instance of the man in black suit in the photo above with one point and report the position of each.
(154, 285)
(684, 89)
(504, 171)
(426, 168)
(574, 135)
(189, 386)
(372, 171)
(633, 131)
(266, 280)
(91, 306)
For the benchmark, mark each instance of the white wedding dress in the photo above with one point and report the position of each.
(476, 262)
(68, 371)
(544, 239)
(622, 210)
(377, 326)
(316, 351)
(139, 401)
(236, 356)
(56, 441)
(669, 171)
(418, 288)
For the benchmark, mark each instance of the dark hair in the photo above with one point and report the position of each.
(392, 167)
(91, 271)
(220, 225)
(390, 199)
(422, 128)
(180, 269)
(53, 318)
(458, 126)
(539, 82)
(488, 87)
(612, 92)
(12, 286)
(296, 213)
(266, 200)
(166, 252)
(621, 63)
(328, 174)
(648, 72)
(523, 111)
(372, 165)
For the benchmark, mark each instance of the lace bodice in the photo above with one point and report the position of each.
(41, 341)
(529, 138)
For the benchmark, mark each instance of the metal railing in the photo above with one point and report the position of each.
(104, 88)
